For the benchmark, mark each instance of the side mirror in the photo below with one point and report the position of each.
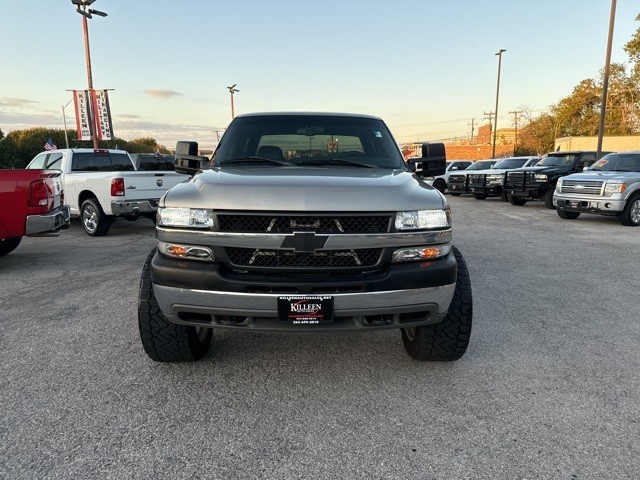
(187, 159)
(434, 159)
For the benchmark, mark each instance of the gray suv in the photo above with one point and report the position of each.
(611, 186)
(306, 222)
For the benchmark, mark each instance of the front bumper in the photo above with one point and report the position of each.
(588, 203)
(121, 207)
(488, 190)
(204, 294)
(49, 224)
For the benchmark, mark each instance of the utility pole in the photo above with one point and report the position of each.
(473, 121)
(515, 121)
(489, 116)
(232, 90)
(605, 81)
(82, 9)
(495, 120)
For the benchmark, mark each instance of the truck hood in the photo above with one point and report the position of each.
(305, 189)
(611, 177)
(551, 169)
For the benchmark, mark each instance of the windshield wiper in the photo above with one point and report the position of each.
(254, 160)
(336, 161)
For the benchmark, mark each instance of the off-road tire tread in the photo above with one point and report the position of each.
(448, 339)
(162, 340)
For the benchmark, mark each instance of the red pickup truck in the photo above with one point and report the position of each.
(32, 205)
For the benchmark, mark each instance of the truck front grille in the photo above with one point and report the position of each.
(584, 187)
(273, 223)
(476, 180)
(286, 259)
(514, 180)
(457, 179)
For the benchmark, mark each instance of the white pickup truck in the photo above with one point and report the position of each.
(102, 185)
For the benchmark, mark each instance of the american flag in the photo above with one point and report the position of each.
(50, 145)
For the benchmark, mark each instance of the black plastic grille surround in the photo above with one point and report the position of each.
(266, 223)
(280, 259)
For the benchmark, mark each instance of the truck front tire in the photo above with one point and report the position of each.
(518, 201)
(162, 340)
(447, 340)
(8, 245)
(548, 198)
(440, 185)
(630, 216)
(94, 221)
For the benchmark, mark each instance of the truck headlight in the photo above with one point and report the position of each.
(422, 219)
(559, 186)
(611, 188)
(413, 254)
(185, 217)
(541, 177)
(186, 252)
(494, 179)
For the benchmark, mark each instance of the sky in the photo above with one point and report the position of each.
(427, 68)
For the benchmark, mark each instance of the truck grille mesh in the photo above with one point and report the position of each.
(476, 180)
(300, 223)
(515, 178)
(586, 187)
(264, 258)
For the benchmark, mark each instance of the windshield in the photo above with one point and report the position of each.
(308, 140)
(618, 162)
(556, 160)
(508, 163)
(482, 165)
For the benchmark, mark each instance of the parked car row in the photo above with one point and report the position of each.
(572, 182)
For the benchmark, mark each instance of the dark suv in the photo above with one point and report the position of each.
(539, 182)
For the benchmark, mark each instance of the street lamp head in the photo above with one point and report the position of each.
(83, 13)
(97, 12)
(502, 50)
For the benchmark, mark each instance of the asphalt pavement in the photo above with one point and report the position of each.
(548, 388)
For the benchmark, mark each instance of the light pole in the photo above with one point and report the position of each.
(232, 90)
(605, 81)
(495, 118)
(81, 8)
(64, 118)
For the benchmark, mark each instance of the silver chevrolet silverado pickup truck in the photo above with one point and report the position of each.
(611, 186)
(306, 222)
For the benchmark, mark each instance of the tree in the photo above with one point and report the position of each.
(579, 113)
(632, 47)
(19, 147)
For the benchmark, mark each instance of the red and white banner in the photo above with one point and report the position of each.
(93, 114)
(84, 123)
(104, 127)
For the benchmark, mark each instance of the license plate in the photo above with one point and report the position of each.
(305, 310)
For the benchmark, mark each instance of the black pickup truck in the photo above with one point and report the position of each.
(539, 182)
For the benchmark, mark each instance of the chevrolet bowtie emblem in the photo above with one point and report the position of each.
(304, 242)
